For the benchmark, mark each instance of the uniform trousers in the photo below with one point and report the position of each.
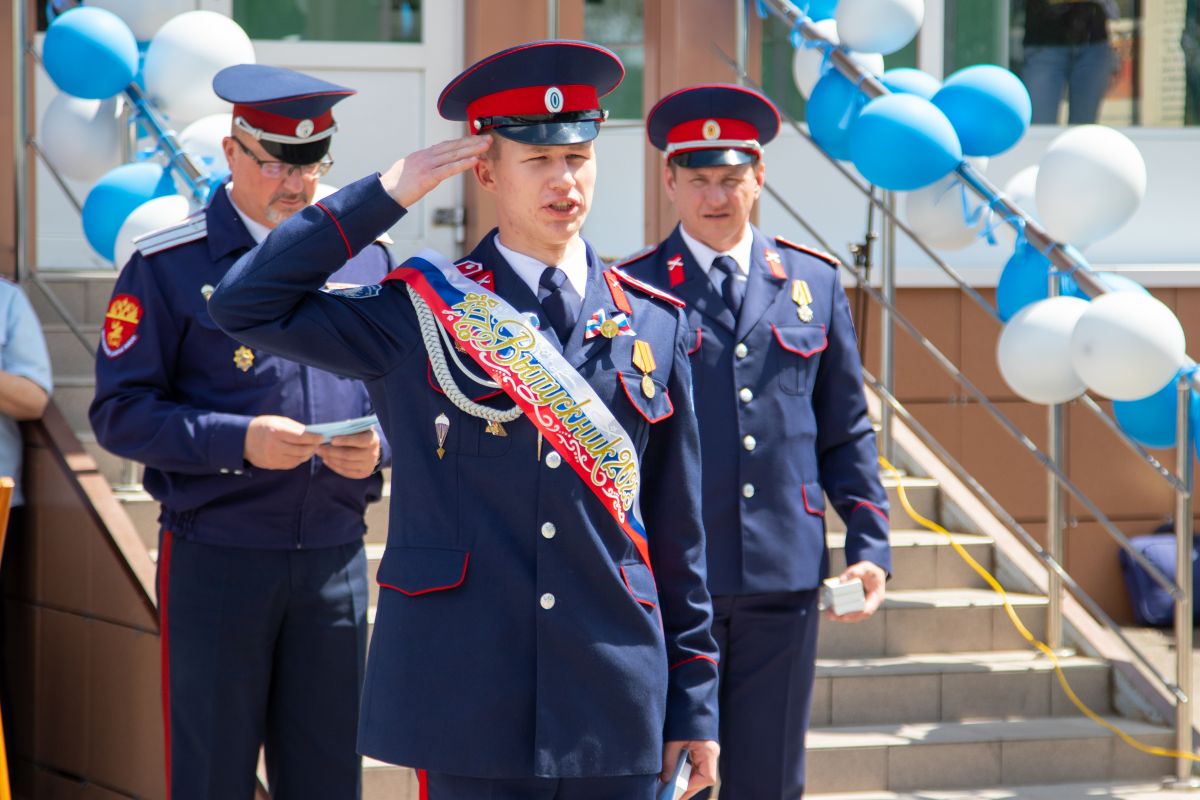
(262, 647)
(438, 786)
(768, 645)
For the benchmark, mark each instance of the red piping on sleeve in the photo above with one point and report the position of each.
(349, 249)
(164, 577)
(872, 506)
(456, 584)
(694, 658)
(807, 507)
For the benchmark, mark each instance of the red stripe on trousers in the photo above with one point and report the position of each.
(422, 785)
(164, 573)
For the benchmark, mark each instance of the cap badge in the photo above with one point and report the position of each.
(554, 100)
(711, 129)
(304, 128)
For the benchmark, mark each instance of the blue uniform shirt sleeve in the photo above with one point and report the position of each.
(670, 503)
(847, 457)
(271, 297)
(24, 353)
(135, 413)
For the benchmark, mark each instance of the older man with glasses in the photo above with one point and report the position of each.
(262, 581)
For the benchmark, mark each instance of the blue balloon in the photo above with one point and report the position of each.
(821, 9)
(115, 196)
(90, 53)
(988, 106)
(903, 142)
(833, 108)
(906, 80)
(1151, 420)
(1024, 281)
(1111, 281)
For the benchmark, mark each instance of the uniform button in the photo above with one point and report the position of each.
(237, 472)
(553, 459)
(741, 351)
(747, 490)
(224, 470)
(548, 530)
(547, 601)
(749, 442)
(746, 395)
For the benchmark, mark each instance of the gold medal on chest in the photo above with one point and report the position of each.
(243, 358)
(802, 297)
(643, 359)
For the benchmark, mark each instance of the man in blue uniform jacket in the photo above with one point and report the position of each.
(783, 421)
(543, 624)
(262, 580)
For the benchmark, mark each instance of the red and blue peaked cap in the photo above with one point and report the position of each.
(545, 93)
(288, 112)
(712, 125)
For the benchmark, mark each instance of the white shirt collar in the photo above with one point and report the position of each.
(704, 254)
(257, 230)
(530, 270)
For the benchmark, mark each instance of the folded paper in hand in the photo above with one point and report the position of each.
(342, 428)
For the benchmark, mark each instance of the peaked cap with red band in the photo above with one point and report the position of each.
(545, 93)
(712, 125)
(288, 112)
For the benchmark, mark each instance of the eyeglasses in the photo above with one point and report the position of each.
(274, 170)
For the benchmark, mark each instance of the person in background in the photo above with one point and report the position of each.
(1067, 51)
(262, 583)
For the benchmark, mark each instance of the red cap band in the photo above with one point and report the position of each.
(718, 128)
(531, 101)
(284, 126)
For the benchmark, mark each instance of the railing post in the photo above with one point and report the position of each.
(1056, 447)
(21, 210)
(887, 361)
(741, 35)
(1183, 579)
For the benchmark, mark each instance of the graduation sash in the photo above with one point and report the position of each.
(548, 390)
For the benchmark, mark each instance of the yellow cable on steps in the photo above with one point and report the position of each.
(1020, 626)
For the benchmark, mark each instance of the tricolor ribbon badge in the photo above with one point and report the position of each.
(601, 324)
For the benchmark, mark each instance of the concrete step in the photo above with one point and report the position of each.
(960, 755)
(934, 621)
(73, 394)
(954, 686)
(84, 294)
(1112, 790)
(925, 560)
(68, 356)
(383, 781)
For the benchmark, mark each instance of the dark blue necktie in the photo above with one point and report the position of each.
(733, 288)
(558, 302)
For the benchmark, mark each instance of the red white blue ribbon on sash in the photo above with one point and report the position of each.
(548, 390)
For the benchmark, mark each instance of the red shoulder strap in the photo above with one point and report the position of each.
(828, 259)
(646, 288)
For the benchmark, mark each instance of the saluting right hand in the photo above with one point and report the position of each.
(274, 442)
(415, 175)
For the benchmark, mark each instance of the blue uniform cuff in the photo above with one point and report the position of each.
(227, 441)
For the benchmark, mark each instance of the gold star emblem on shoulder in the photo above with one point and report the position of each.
(243, 358)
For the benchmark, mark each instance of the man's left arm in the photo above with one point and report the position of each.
(25, 382)
(675, 531)
(847, 457)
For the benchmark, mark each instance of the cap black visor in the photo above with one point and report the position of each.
(551, 133)
(694, 159)
(300, 154)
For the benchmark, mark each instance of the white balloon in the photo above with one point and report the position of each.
(879, 26)
(807, 61)
(936, 212)
(144, 17)
(149, 216)
(1090, 182)
(82, 138)
(1034, 351)
(1127, 345)
(1021, 190)
(184, 56)
(203, 139)
(323, 191)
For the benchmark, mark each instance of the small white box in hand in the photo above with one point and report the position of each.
(843, 597)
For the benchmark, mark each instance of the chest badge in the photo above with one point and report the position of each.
(803, 298)
(441, 426)
(206, 291)
(243, 358)
(643, 359)
(495, 428)
(603, 324)
(675, 270)
(775, 263)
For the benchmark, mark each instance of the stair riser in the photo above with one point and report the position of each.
(928, 566)
(67, 353)
(86, 299)
(954, 696)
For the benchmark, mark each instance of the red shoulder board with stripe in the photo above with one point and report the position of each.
(638, 256)
(828, 259)
(475, 271)
(644, 287)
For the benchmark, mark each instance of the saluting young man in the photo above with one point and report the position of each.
(543, 624)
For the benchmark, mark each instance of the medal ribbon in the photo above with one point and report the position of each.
(548, 390)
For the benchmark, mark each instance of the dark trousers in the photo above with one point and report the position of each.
(768, 646)
(436, 786)
(262, 647)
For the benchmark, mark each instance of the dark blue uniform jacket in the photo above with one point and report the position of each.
(783, 418)
(176, 393)
(518, 632)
